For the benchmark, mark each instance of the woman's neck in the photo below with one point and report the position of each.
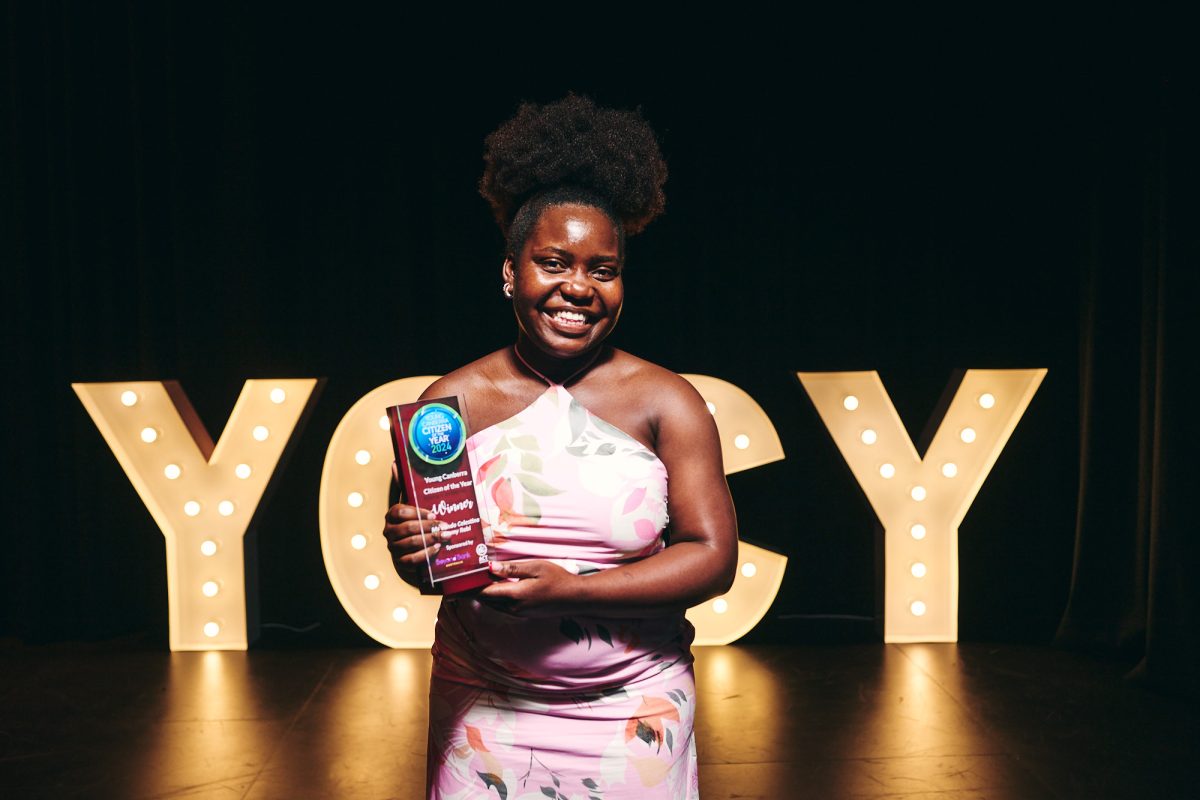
(550, 369)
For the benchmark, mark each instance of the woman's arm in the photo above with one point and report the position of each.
(701, 559)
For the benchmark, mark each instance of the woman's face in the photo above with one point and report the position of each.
(567, 288)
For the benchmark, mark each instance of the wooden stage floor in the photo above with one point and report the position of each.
(952, 722)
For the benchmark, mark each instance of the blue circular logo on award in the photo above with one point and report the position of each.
(436, 434)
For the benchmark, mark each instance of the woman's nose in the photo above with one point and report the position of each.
(578, 285)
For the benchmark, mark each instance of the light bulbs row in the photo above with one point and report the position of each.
(130, 398)
(985, 401)
(868, 436)
(260, 433)
(174, 471)
(225, 508)
(887, 471)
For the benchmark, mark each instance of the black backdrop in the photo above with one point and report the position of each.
(213, 196)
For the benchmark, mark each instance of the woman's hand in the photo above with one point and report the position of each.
(542, 589)
(402, 529)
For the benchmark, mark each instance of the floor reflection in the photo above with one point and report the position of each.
(848, 721)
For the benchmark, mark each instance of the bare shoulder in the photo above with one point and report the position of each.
(468, 379)
(660, 389)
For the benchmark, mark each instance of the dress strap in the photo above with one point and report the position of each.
(564, 381)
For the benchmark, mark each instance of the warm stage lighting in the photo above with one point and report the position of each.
(185, 475)
(965, 446)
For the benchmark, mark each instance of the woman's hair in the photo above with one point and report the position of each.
(571, 151)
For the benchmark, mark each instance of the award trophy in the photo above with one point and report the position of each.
(429, 438)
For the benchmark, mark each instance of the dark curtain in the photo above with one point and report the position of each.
(1134, 587)
(213, 194)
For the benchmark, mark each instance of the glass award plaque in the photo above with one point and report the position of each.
(430, 441)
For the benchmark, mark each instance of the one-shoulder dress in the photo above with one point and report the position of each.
(586, 707)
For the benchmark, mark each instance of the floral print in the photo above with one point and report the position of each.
(577, 707)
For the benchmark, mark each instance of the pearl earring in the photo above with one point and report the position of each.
(508, 290)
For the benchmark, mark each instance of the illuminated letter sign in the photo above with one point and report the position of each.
(354, 489)
(748, 440)
(202, 497)
(921, 502)
(354, 499)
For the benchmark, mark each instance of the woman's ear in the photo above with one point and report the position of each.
(506, 271)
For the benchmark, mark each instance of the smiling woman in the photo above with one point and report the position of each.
(571, 674)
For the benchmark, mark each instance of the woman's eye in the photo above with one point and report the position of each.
(605, 273)
(552, 264)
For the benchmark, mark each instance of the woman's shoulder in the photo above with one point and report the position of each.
(469, 378)
(656, 385)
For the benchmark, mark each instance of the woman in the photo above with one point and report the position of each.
(571, 675)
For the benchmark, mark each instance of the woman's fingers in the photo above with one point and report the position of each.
(402, 511)
(412, 537)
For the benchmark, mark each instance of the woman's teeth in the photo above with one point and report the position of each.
(570, 317)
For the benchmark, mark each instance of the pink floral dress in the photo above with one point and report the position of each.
(585, 707)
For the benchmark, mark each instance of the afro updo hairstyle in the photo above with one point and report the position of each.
(571, 151)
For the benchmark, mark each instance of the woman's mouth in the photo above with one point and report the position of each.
(570, 321)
